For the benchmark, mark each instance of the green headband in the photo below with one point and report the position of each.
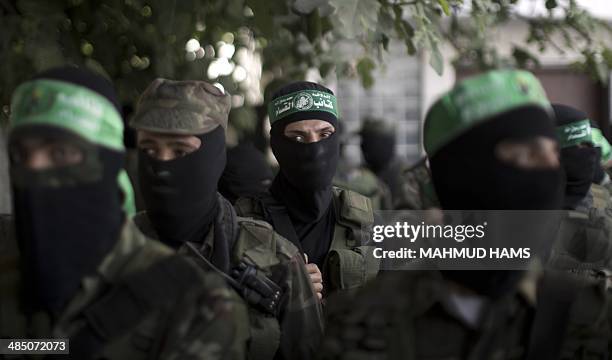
(600, 140)
(574, 133)
(477, 99)
(129, 202)
(70, 107)
(304, 100)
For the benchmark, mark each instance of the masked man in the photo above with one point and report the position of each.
(181, 140)
(85, 272)
(496, 129)
(327, 224)
(583, 244)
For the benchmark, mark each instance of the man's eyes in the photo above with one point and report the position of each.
(302, 138)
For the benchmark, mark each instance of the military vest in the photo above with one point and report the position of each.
(349, 263)
(130, 308)
(260, 262)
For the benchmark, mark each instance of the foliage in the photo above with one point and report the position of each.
(134, 41)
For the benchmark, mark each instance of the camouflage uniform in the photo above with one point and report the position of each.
(285, 318)
(349, 264)
(410, 322)
(583, 245)
(144, 302)
(416, 190)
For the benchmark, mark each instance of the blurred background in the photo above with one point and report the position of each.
(384, 59)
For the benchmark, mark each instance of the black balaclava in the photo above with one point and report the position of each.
(467, 175)
(580, 163)
(377, 145)
(181, 194)
(246, 173)
(68, 218)
(304, 182)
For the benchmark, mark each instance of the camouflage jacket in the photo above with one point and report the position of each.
(115, 316)
(416, 191)
(293, 328)
(582, 245)
(349, 263)
(412, 315)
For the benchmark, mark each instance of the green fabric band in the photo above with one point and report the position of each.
(574, 133)
(478, 99)
(70, 107)
(600, 140)
(305, 100)
(129, 202)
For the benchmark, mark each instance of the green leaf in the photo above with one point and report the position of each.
(385, 42)
(436, 60)
(365, 66)
(523, 57)
(263, 11)
(355, 17)
(607, 56)
(307, 6)
(445, 7)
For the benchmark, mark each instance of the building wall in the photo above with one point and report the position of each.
(561, 82)
(395, 97)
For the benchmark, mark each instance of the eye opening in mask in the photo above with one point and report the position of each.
(309, 130)
(529, 153)
(166, 147)
(44, 155)
(40, 148)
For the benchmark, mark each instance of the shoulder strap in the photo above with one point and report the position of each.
(280, 220)
(556, 294)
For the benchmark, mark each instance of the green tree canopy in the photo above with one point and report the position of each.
(134, 41)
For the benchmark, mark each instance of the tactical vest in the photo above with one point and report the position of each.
(349, 263)
(124, 312)
(258, 259)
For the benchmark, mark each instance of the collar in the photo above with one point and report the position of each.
(441, 293)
